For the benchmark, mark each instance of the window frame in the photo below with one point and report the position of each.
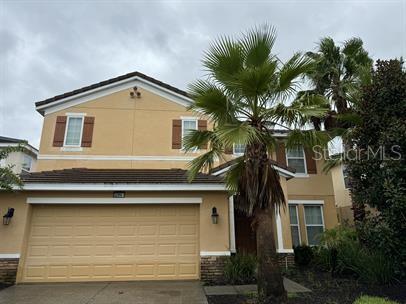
(68, 117)
(23, 162)
(237, 153)
(296, 225)
(313, 225)
(185, 119)
(296, 157)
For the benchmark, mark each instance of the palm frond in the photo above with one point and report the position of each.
(233, 175)
(195, 139)
(308, 138)
(257, 45)
(241, 133)
(300, 112)
(332, 161)
(255, 82)
(224, 59)
(291, 72)
(258, 187)
(204, 162)
(211, 101)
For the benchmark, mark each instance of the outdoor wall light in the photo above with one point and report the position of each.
(7, 217)
(214, 215)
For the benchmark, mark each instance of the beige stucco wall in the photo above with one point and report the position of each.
(212, 237)
(342, 195)
(320, 183)
(123, 127)
(11, 236)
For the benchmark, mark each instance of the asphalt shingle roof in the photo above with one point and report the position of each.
(118, 176)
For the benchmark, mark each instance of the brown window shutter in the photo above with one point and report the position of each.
(87, 135)
(310, 161)
(202, 126)
(281, 154)
(59, 134)
(176, 134)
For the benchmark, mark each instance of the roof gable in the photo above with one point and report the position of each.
(110, 86)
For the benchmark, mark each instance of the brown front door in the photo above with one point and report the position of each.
(245, 238)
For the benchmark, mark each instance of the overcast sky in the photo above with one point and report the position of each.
(50, 47)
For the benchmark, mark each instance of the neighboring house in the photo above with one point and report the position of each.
(111, 201)
(21, 161)
(342, 194)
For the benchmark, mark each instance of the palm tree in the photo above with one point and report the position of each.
(244, 95)
(338, 74)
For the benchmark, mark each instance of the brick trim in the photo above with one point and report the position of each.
(8, 270)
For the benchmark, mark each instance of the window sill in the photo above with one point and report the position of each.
(197, 151)
(301, 175)
(72, 149)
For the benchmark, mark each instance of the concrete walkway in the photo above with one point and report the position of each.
(290, 286)
(177, 292)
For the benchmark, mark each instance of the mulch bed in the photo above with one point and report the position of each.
(3, 286)
(325, 289)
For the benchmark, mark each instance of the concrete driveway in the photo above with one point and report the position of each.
(153, 292)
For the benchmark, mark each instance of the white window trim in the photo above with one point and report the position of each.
(301, 174)
(214, 253)
(235, 153)
(313, 225)
(184, 119)
(9, 255)
(279, 235)
(298, 222)
(232, 223)
(306, 202)
(74, 115)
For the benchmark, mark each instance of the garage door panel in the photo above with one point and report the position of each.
(106, 242)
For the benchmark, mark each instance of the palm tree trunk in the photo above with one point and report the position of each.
(270, 280)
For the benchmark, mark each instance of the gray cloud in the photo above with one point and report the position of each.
(47, 48)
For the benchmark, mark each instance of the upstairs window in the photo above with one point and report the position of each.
(188, 125)
(296, 159)
(238, 149)
(73, 135)
(314, 224)
(294, 225)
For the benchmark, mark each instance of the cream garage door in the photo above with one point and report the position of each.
(112, 243)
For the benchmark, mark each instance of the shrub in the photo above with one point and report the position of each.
(373, 300)
(303, 255)
(379, 180)
(341, 252)
(240, 269)
(371, 266)
(330, 243)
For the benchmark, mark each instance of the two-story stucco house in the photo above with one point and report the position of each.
(110, 199)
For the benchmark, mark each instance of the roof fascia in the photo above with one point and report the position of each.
(108, 89)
